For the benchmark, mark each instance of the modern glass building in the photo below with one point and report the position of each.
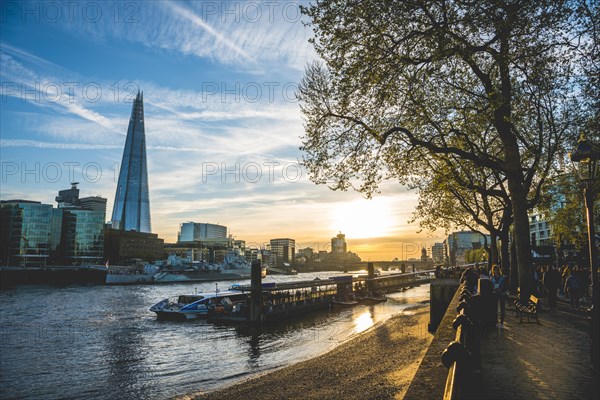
(193, 231)
(83, 236)
(25, 233)
(35, 234)
(131, 210)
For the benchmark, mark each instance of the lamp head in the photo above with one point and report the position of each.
(585, 159)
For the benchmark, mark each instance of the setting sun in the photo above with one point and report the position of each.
(363, 218)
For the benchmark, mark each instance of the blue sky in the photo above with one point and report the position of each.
(223, 127)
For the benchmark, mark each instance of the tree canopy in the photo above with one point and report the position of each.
(501, 85)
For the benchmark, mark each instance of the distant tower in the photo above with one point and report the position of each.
(131, 210)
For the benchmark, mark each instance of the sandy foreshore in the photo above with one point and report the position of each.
(378, 364)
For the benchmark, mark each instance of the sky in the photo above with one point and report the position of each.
(223, 126)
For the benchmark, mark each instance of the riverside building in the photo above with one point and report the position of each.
(36, 234)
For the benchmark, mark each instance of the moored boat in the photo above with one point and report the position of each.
(195, 305)
(370, 300)
(344, 302)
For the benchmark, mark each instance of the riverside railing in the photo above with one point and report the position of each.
(462, 356)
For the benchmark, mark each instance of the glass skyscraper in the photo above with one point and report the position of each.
(131, 210)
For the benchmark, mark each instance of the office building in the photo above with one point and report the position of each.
(68, 197)
(193, 231)
(36, 234)
(25, 233)
(338, 244)
(437, 252)
(460, 242)
(540, 229)
(127, 246)
(131, 210)
(282, 251)
(93, 203)
(82, 239)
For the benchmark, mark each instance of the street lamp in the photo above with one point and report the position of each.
(585, 159)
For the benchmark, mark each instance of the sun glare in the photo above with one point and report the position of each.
(363, 322)
(362, 218)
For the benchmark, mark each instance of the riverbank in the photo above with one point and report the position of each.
(379, 363)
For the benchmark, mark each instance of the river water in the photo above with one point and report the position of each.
(102, 342)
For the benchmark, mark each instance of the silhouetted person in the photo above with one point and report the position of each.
(552, 281)
(566, 271)
(500, 284)
(469, 277)
(573, 289)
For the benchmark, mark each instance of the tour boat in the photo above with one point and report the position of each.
(196, 305)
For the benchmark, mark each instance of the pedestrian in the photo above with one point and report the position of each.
(469, 278)
(583, 275)
(537, 278)
(500, 284)
(552, 281)
(573, 289)
(566, 271)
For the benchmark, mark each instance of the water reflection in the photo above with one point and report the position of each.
(364, 321)
(253, 351)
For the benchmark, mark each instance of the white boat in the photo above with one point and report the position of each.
(195, 305)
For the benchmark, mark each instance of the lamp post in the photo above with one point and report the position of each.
(585, 159)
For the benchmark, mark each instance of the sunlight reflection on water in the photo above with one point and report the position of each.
(363, 322)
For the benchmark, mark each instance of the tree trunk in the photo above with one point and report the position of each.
(514, 269)
(504, 235)
(493, 259)
(505, 251)
(518, 199)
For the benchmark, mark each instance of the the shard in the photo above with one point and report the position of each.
(131, 210)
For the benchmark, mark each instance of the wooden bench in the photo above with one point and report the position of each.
(528, 310)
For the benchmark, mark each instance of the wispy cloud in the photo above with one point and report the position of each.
(190, 16)
(257, 37)
(53, 145)
(24, 83)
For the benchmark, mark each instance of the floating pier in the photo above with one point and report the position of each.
(272, 302)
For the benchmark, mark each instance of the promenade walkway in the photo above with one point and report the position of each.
(546, 361)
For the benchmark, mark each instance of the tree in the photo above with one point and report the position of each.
(563, 205)
(449, 201)
(495, 84)
(475, 256)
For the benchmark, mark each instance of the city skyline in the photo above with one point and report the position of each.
(222, 122)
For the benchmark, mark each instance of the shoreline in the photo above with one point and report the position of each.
(378, 363)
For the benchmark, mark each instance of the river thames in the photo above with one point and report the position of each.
(102, 341)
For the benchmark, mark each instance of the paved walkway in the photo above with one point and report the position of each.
(546, 361)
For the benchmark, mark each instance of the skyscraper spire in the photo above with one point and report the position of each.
(131, 211)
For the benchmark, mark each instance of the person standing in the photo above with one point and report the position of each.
(500, 284)
(573, 289)
(552, 281)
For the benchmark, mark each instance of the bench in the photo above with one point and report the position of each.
(528, 310)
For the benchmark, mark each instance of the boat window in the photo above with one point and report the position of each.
(189, 299)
